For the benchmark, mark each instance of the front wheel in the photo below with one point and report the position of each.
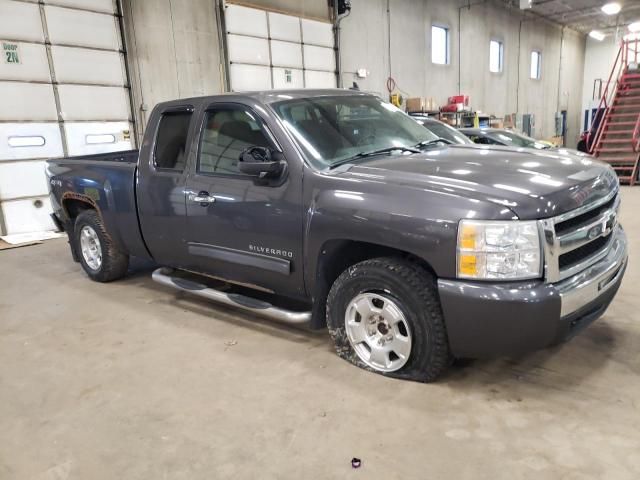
(384, 315)
(98, 257)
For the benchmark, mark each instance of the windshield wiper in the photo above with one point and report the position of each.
(426, 143)
(372, 153)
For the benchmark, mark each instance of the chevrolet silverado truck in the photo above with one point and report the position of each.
(332, 208)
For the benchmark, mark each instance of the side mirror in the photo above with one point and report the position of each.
(258, 162)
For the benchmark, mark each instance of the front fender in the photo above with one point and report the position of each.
(421, 222)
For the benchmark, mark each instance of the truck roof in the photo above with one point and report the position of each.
(272, 96)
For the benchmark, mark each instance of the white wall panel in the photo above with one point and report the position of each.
(106, 6)
(284, 27)
(81, 102)
(317, 33)
(29, 215)
(22, 179)
(96, 116)
(282, 75)
(249, 77)
(246, 21)
(315, 79)
(319, 58)
(80, 65)
(27, 101)
(33, 65)
(248, 49)
(32, 132)
(20, 21)
(75, 27)
(86, 138)
(286, 54)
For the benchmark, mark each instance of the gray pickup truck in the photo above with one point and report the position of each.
(335, 209)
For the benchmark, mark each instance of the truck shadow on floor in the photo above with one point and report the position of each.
(564, 367)
(575, 365)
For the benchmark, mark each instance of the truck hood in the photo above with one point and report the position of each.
(533, 185)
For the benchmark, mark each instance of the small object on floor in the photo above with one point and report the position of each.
(356, 462)
(230, 343)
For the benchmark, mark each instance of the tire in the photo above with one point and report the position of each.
(406, 294)
(112, 264)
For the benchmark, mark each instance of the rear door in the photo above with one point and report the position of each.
(247, 231)
(161, 184)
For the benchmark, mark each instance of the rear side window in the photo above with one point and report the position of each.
(171, 142)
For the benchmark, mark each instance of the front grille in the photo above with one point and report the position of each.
(576, 222)
(575, 240)
(574, 257)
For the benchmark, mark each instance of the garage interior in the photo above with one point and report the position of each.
(132, 380)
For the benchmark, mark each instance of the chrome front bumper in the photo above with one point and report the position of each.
(594, 281)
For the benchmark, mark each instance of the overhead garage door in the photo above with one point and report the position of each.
(64, 92)
(272, 50)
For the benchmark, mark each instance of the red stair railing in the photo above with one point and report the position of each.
(635, 140)
(606, 102)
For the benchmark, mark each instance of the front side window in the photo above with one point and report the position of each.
(226, 134)
(496, 57)
(330, 129)
(536, 60)
(439, 45)
(171, 141)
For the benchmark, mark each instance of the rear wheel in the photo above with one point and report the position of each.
(384, 315)
(98, 257)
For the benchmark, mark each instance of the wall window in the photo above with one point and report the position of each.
(439, 45)
(496, 56)
(227, 133)
(171, 141)
(536, 64)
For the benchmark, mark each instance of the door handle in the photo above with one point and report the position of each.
(203, 198)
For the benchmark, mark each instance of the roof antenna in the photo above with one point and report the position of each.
(354, 86)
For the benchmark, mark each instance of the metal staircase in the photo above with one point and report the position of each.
(615, 139)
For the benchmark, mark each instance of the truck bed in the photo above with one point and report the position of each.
(125, 156)
(108, 181)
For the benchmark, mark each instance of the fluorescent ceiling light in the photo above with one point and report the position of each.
(635, 27)
(631, 36)
(597, 35)
(611, 8)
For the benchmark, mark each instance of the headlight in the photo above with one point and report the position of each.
(499, 250)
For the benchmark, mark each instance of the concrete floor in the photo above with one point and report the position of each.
(130, 380)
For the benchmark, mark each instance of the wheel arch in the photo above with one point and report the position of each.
(335, 256)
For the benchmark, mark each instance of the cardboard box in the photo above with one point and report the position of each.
(509, 120)
(421, 104)
(416, 104)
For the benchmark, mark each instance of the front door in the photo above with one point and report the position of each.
(238, 227)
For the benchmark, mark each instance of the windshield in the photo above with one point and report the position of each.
(333, 129)
(447, 132)
(516, 139)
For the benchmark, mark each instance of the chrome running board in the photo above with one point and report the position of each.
(259, 307)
